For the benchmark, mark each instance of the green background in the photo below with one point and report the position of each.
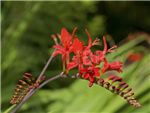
(26, 46)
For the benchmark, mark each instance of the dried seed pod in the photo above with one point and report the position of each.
(100, 81)
(116, 85)
(24, 85)
(106, 85)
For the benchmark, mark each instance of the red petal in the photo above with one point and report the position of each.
(77, 45)
(86, 61)
(83, 70)
(57, 52)
(105, 45)
(96, 71)
(94, 59)
(116, 66)
(87, 52)
(99, 56)
(89, 39)
(112, 66)
(58, 47)
(99, 53)
(72, 65)
(86, 76)
(106, 67)
(91, 79)
(65, 37)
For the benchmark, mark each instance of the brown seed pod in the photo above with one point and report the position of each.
(116, 85)
(24, 85)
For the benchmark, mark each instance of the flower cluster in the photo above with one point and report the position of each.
(84, 59)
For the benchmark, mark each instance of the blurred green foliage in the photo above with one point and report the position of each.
(26, 46)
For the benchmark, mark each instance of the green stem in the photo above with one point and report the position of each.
(10, 108)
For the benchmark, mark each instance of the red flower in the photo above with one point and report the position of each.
(66, 47)
(133, 57)
(66, 40)
(77, 48)
(100, 56)
(90, 73)
(112, 66)
(87, 62)
(81, 52)
(106, 50)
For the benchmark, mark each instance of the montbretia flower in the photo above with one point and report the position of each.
(90, 73)
(65, 47)
(134, 57)
(84, 59)
(112, 66)
(77, 48)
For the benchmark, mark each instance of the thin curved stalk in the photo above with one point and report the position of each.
(45, 67)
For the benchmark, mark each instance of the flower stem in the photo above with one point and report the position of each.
(9, 109)
(45, 67)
